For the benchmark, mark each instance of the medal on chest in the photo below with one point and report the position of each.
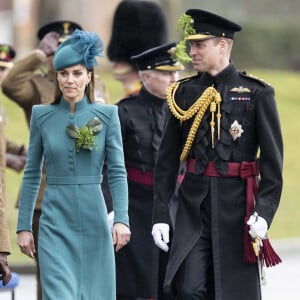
(236, 130)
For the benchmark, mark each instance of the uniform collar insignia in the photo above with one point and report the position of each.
(240, 90)
(236, 130)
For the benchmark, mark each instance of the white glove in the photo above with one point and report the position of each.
(258, 226)
(160, 233)
(110, 217)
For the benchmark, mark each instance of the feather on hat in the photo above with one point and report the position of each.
(81, 48)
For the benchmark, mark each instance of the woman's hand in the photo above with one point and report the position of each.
(26, 243)
(121, 235)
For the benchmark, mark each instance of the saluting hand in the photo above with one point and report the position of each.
(49, 43)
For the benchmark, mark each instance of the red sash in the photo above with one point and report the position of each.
(247, 171)
(137, 175)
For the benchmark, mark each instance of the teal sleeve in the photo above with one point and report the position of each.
(117, 175)
(32, 175)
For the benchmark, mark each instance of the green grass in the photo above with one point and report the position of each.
(286, 223)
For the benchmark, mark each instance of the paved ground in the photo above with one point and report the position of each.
(282, 280)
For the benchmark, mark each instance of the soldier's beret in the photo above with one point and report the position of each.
(7, 53)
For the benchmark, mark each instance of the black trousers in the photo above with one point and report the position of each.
(194, 279)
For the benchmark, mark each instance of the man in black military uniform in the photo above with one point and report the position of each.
(140, 267)
(128, 39)
(219, 121)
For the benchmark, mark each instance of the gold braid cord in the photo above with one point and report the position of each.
(209, 97)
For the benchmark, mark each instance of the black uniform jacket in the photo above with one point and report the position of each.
(215, 207)
(140, 264)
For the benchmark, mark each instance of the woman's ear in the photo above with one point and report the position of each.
(89, 77)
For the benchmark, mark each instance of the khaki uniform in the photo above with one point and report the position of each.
(4, 235)
(13, 148)
(27, 88)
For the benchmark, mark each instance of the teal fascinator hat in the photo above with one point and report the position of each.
(81, 48)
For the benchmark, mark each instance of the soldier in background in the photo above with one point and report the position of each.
(6, 55)
(137, 26)
(128, 39)
(5, 274)
(15, 153)
(31, 81)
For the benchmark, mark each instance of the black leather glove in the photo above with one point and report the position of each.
(49, 43)
(5, 273)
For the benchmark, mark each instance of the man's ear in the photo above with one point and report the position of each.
(223, 46)
(145, 76)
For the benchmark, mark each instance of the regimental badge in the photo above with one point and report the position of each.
(4, 53)
(236, 130)
(66, 27)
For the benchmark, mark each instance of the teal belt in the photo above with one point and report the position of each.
(74, 179)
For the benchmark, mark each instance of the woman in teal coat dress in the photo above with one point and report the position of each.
(73, 135)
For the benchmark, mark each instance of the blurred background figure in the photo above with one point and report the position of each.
(137, 26)
(15, 153)
(6, 55)
(30, 81)
(128, 39)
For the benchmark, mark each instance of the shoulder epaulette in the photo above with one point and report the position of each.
(255, 78)
(187, 78)
(129, 98)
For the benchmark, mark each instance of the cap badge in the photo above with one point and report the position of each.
(4, 50)
(66, 26)
(171, 51)
(236, 130)
(2, 55)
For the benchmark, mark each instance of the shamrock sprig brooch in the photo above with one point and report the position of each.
(85, 135)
